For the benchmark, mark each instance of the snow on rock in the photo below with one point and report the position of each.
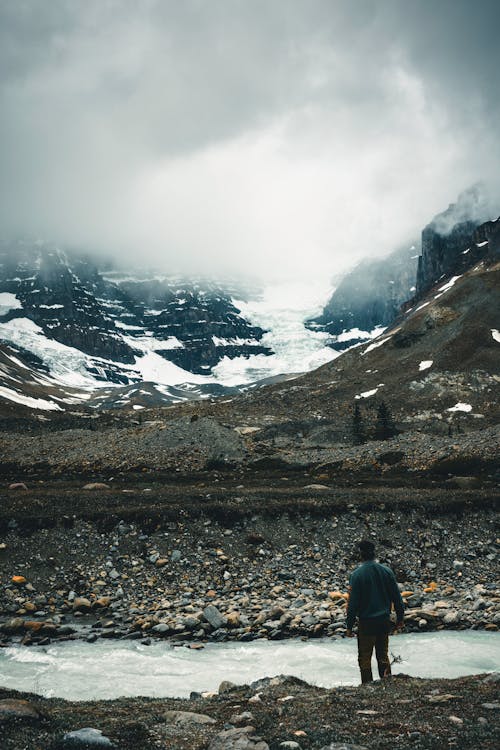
(425, 364)
(9, 302)
(460, 407)
(495, 334)
(33, 403)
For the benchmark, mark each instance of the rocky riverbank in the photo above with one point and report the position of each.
(271, 714)
(208, 562)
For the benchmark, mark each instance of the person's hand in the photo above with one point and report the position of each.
(348, 634)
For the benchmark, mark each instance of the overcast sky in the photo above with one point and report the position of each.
(284, 137)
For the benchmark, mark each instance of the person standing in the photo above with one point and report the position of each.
(373, 589)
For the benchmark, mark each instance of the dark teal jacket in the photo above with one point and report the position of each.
(373, 590)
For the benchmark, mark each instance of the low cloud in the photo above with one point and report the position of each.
(283, 139)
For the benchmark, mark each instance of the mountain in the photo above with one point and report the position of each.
(368, 298)
(88, 324)
(455, 239)
(437, 369)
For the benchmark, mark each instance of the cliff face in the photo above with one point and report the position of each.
(453, 253)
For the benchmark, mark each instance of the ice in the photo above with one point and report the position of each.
(107, 670)
(425, 364)
(281, 310)
(495, 334)
(33, 403)
(9, 302)
(460, 407)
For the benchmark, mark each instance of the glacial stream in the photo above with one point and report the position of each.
(80, 671)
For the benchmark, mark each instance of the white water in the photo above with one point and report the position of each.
(82, 671)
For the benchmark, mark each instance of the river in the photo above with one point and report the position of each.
(110, 669)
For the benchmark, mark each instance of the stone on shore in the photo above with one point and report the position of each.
(214, 617)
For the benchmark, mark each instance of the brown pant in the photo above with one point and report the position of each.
(367, 641)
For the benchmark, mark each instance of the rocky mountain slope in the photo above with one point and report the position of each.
(372, 294)
(117, 327)
(368, 297)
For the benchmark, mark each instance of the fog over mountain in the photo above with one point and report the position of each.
(287, 139)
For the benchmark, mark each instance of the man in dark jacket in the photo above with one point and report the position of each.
(373, 589)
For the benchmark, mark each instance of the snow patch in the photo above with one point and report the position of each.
(33, 403)
(460, 407)
(375, 345)
(495, 334)
(367, 394)
(425, 364)
(447, 286)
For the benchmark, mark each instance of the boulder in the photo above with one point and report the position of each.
(17, 710)
(188, 717)
(214, 617)
(81, 604)
(86, 738)
(13, 626)
(239, 738)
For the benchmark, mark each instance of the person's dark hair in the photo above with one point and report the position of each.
(367, 549)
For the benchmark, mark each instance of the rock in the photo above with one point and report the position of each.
(81, 604)
(18, 580)
(316, 487)
(17, 710)
(226, 686)
(95, 486)
(239, 738)
(491, 706)
(242, 719)
(13, 626)
(176, 555)
(456, 720)
(290, 745)
(233, 619)
(102, 602)
(343, 746)
(464, 483)
(188, 717)
(451, 618)
(214, 617)
(86, 738)
(18, 486)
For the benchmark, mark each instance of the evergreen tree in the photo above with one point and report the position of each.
(384, 425)
(358, 426)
